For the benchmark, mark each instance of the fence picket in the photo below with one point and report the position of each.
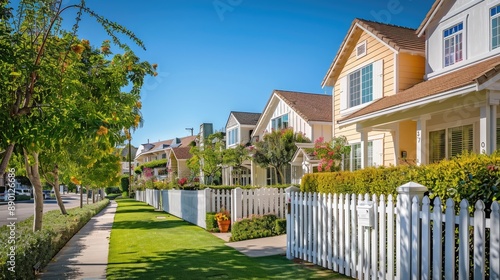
(374, 241)
(479, 241)
(449, 241)
(426, 239)
(437, 253)
(415, 244)
(495, 241)
(382, 238)
(463, 231)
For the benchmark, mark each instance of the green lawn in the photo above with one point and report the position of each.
(147, 244)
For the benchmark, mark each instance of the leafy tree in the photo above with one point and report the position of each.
(208, 156)
(331, 154)
(59, 92)
(235, 157)
(277, 149)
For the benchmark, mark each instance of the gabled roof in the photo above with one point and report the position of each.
(246, 118)
(397, 38)
(430, 15)
(476, 74)
(182, 152)
(310, 106)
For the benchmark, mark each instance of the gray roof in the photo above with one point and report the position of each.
(246, 118)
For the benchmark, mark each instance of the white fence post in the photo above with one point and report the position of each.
(288, 199)
(406, 193)
(236, 201)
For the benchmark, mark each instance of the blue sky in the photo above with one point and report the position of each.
(218, 56)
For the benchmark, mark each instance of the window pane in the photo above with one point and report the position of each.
(354, 89)
(460, 139)
(367, 84)
(495, 32)
(370, 153)
(356, 157)
(437, 145)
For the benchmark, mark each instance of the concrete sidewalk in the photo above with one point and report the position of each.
(259, 247)
(85, 256)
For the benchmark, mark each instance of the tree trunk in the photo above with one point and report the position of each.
(281, 175)
(56, 191)
(5, 162)
(81, 196)
(34, 176)
(87, 194)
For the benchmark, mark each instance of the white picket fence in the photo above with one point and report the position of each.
(192, 206)
(407, 240)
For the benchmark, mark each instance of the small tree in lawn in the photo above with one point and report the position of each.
(276, 150)
(209, 156)
(331, 154)
(235, 157)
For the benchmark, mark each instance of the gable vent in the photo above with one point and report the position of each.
(361, 49)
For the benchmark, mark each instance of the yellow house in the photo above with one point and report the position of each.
(454, 109)
(374, 61)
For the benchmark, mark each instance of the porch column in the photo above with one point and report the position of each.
(485, 130)
(492, 103)
(422, 145)
(364, 148)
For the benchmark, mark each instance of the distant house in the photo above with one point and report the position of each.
(239, 128)
(454, 109)
(177, 155)
(307, 113)
(375, 62)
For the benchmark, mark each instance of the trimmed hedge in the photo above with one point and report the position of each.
(151, 164)
(468, 176)
(257, 227)
(211, 222)
(41, 246)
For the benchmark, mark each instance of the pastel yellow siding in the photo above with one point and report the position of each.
(376, 50)
(411, 70)
(408, 140)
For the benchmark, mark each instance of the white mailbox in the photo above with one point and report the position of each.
(365, 213)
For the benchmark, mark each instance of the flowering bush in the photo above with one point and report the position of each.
(330, 153)
(222, 215)
(182, 181)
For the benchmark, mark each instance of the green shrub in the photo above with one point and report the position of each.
(468, 176)
(22, 197)
(280, 227)
(41, 246)
(255, 227)
(151, 164)
(211, 222)
(111, 190)
(124, 184)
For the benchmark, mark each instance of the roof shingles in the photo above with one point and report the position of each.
(310, 106)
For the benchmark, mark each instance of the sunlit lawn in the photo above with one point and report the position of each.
(147, 244)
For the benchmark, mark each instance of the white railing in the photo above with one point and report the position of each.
(192, 206)
(406, 240)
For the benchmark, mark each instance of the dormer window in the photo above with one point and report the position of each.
(495, 27)
(453, 44)
(361, 49)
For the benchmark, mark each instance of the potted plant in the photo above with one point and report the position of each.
(223, 219)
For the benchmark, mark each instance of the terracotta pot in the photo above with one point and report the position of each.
(224, 225)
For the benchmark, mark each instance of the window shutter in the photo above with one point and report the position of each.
(378, 152)
(378, 79)
(343, 93)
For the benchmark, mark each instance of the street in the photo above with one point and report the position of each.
(24, 209)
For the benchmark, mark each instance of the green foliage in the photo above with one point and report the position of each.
(467, 176)
(124, 184)
(280, 227)
(255, 227)
(330, 154)
(42, 245)
(277, 149)
(212, 156)
(151, 164)
(211, 222)
(112, 190)
(22, 197)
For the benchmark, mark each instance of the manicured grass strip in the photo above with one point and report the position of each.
(147, 244)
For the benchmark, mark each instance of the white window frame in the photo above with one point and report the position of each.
(453, 36)
(375, 146)
(377, 87)
(233, 136)
(282, 126)
(490, 17)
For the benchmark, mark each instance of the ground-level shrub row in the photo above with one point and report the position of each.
(38, 248)
(258, 227)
